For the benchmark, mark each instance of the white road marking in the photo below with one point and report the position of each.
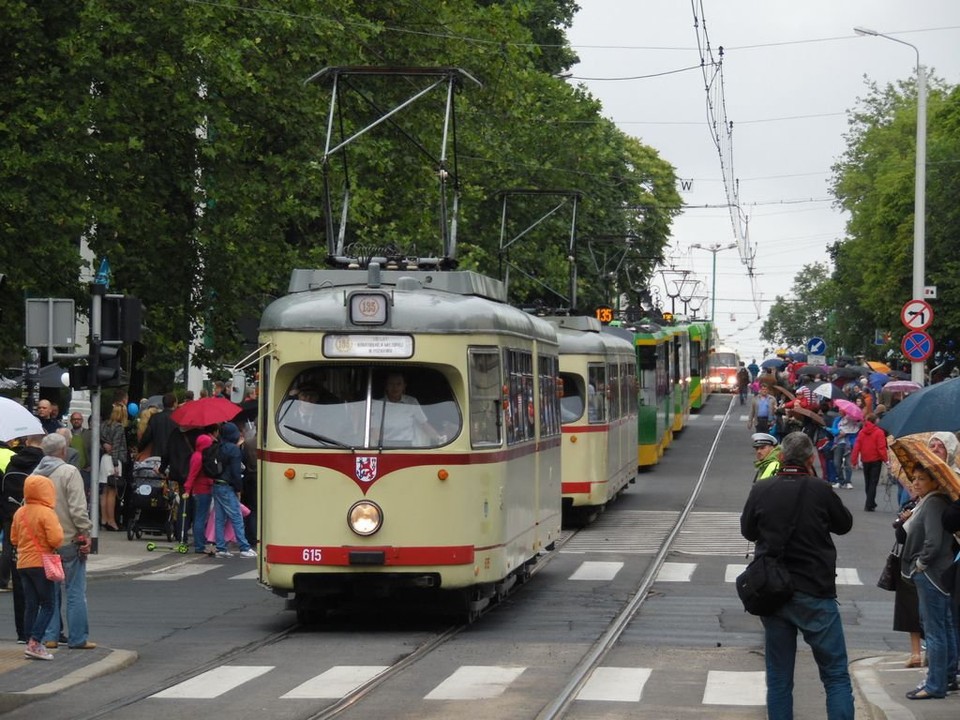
(337, 682)
(615, 684)
(725, 687)
(475, 682)
(676, 572)
(848, 576)
(596, 570)
(177, 572)
(249, 575)
(214, 683)
(845, 576)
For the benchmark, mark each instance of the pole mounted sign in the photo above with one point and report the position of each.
(917, 345)
(817, 346)
(916, 315)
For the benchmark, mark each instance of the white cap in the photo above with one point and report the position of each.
(762, 439)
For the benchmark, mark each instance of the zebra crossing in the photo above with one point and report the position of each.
(476, 682)
(684, 572)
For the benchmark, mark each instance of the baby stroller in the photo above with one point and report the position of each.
(151, 504)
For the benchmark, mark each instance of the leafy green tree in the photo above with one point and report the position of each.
(180, 141)
(809, 312)
(874, 181)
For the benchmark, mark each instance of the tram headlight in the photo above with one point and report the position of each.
(365, 517)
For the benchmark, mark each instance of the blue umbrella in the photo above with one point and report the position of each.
(929, 410)
(775, 363)
(878, 379)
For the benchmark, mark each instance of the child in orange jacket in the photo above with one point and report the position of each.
(35, 531)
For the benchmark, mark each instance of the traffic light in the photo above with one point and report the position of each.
(121, 318)
(104, 366)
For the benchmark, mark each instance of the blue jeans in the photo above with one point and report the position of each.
(228, 508)
(819, 621)
(38, 601)
(841, 461)
(936, 616)
(75, 569)
(201, 508)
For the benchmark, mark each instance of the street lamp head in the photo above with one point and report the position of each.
(865, 31)
(731, 246)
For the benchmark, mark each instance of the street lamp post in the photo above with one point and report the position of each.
(714, 249)
(920, 186)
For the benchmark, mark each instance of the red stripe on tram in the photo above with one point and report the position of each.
(392, 556)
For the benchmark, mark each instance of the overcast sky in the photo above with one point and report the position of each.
(791, 71)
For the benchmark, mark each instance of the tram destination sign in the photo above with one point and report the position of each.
(367, 346)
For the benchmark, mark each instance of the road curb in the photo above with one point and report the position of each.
(879, 704)
(116, 660)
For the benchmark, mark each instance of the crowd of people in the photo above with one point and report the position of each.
(50, 481)
(812, 429)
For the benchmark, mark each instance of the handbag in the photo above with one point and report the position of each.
(766, 586)
(890, 572)
(53, 567)
(52, 563)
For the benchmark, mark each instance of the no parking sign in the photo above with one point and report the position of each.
(917, 345)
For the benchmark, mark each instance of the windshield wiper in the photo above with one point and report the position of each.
(321, 438)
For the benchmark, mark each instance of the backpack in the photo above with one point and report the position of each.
(211, 462)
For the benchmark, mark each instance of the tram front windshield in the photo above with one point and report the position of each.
(362, 406)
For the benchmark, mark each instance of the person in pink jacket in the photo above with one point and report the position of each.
(871, 447)
(199, 486)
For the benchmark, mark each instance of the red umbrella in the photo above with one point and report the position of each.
(205, 411)
(851, 409)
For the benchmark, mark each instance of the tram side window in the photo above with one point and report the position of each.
(485, 396)
(596, 393)
(631, 388)
(613, 391)
(549, 397)
(571, 405)
(518, 365)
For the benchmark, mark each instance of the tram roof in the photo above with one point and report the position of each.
(431, 302)
(585, 335)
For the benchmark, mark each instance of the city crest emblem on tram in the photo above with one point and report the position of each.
(366, 469)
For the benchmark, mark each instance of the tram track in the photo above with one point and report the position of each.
(594, 656)
(562, 700)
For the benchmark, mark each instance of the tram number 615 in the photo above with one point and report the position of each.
(312, 555)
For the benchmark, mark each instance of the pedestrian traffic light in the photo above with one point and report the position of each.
(104, 367)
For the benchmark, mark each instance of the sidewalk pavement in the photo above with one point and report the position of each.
(879, 681)
(23, 680)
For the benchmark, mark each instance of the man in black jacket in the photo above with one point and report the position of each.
(797, 511)
(27, 458)
(160, 428)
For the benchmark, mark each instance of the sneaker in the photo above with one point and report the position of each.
(249, 553)
(37, 652)
(86, 646)
(848, 486)
(21, 641)
(224, 554)
(835, 486)
(51, 644)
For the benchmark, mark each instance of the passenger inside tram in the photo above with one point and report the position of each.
(401, 417)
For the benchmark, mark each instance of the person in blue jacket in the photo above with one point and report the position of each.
(225, 493)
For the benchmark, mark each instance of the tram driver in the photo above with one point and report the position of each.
(401, 417)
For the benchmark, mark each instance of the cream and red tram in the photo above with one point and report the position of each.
(598, 371)
(363, 496)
